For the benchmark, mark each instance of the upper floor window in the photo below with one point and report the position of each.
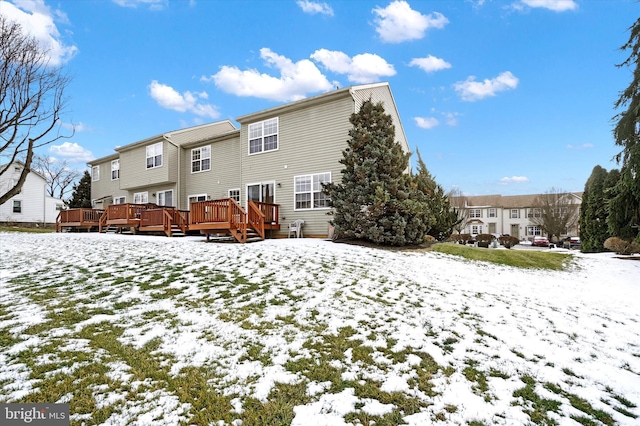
(493, 213)
(475, 213)
(201, 159)
(95, 173)
(534, 213)
(17, 206)
(154, 155)
(263, 136)
(308, 191)
(115, 169)
(515, 214)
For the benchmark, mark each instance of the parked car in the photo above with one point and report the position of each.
(571, 242)
(539, 241)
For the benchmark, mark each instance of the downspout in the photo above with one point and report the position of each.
(179, 179)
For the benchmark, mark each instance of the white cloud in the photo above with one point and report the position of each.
(514, 179)
(168, 97)
(451, 118)
(362, 68)
(296, 79)
(37, 20)
(430, 63)
(426, 122)
(72, 152)
(555, 5)
(77, 127)
(398, 22)
(312, 7)
(153, 4)
(583, 146)
(471, 90)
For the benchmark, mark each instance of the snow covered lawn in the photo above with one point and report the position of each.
(152, 330)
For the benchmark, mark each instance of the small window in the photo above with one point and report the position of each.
(476, 229)
(534, 230)
(95, 173)
(201, 159)
(493, 213)
(235, 194)
(141, 198)
(263, 136)
(115, 170)
(17, 206)
(515, 214)
(120, 200)
(475, 213)
(154, 155)
(536, 212)
(308, 191)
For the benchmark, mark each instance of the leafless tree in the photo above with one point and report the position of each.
(59, 175)
(459, 205)
(556, 211)
(31, 100)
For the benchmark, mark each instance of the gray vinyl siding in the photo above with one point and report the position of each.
(310, 141)
(224, 173)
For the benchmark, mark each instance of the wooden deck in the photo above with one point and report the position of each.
(75, 219)
(225, 216)
(169, 220)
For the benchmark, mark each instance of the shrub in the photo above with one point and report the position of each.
(621, 246)
(460, 238)
(508, 241)
(484, 240)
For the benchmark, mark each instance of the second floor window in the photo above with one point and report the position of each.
(95, 173)
(154, 155)
(201, 159)
(492, 213)
(115, 169)
(475, 213)
(515, 214)
(263, 136)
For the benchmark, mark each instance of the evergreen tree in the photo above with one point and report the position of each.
(593, 213)
(81, 195)
(440, 215)
(625, 205)
(374, 201)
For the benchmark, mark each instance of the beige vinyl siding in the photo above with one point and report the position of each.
(223, 175)
(133, 165)
(310, 140)
(105, 187)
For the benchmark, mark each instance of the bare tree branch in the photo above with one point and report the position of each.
(60, 177)
(556, 211)
(31, 100)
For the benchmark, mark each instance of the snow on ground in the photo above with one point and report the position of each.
(438, 339)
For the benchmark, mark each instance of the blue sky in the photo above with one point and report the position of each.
(500, 96)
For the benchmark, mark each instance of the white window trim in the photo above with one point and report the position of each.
(266, 182)
(201, 159)
(309, 192)
(262, 150)
(95, 173)
(123, 198)
(147, 156)
(164, 192)
(239, 193)
(13, 207)
(517, 214)
(494, 211)
(189, 197)
(472, 214)
(115, 170)
(146, 195)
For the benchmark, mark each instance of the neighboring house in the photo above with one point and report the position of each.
(508, 214)
(279, 155)
(32, 205)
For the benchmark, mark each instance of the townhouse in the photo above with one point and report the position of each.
(278, 156)
(506, 214)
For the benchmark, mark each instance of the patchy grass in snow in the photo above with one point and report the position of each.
(160, 331)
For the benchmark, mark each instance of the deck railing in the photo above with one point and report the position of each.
(255, 218)
(126, 211)
(80, 217)
(271, 211)
(165, 217)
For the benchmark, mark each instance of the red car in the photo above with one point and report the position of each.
(539, 241)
